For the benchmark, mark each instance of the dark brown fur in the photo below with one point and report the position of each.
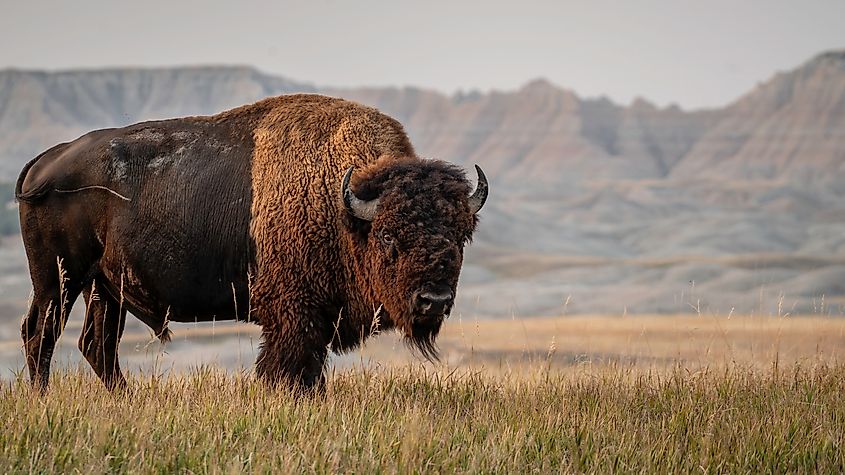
(239, 215)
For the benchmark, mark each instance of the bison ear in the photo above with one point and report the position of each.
(355, 206)
(479, 196)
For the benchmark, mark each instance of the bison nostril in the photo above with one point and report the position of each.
(432, 303)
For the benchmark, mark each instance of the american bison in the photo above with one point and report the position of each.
(309, 215)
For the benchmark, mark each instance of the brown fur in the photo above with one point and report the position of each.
(317, 275)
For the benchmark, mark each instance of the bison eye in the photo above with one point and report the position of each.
(386, 238)
(389, 244)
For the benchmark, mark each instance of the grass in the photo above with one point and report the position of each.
(569, 394)
(407, 419)
(643, 342)
(639, 342)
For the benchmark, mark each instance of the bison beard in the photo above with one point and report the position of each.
(287, 213)
(423, 336)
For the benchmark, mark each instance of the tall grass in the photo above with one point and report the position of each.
(408, 419)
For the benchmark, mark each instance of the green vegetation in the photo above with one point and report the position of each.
(406, 420)
(9, 223)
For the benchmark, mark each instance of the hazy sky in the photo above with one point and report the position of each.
(695, 53)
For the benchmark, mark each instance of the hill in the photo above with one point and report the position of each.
(614, 208)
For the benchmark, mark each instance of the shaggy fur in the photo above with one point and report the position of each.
(240, 215)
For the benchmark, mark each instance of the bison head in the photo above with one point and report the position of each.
(410, 220)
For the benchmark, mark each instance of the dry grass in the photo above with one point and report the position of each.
(639, 343)
(407, 420)
(585, 394)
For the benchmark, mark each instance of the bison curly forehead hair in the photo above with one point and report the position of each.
(411, 219)
(407, 182)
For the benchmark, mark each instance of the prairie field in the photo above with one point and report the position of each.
(566, 394)
(655, 282)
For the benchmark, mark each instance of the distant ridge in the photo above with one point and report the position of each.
(609, 208)
(527, 135)
(790, 127)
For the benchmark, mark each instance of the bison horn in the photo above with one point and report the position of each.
(479, 196)
(357, 207)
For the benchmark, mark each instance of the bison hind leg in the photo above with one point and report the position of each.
(55, 291)
(105, 320)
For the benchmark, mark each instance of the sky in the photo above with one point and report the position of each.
(696, 54)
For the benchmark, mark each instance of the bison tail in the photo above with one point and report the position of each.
(37, 192)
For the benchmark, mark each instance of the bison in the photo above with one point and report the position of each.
(308, 215)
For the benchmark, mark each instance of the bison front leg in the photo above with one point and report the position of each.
(292, 354)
